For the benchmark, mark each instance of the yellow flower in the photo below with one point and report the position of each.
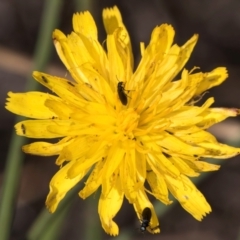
(133, 132)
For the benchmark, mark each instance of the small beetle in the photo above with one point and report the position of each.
(122, 95)
(146, 215)
(145, 221)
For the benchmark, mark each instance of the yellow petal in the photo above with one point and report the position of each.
(59, 108)
(194, 135)
(94, 180)
(117, 70)
(58, 38)
(93, 52)
(212, 79)
(185, 53)
(160, 43)
(183, 167)
(46, 149)
(158, 187)
(184, 116)
(218, 150)
(141, 167)
(160, 164)
(174, 144)
(128, 179)
(60, 185)
(37, 128)
(108, 207)
(63, 88)
(114, 158)
(71, 150)
(94, 153)
(201, 166)
(30, 104)
(84, 23)
(71, 128)
(188, 196)
(112, 21)
(72, 59)
(215, 115)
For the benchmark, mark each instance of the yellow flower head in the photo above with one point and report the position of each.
(133, 132)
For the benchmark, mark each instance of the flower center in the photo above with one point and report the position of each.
(127, 121)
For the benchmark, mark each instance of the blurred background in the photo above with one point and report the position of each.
(217, 23)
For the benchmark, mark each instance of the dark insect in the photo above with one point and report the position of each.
(146, 217)
(122, 95)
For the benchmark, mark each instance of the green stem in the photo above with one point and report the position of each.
(15, 157)
(92, 220)
(84, 5)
